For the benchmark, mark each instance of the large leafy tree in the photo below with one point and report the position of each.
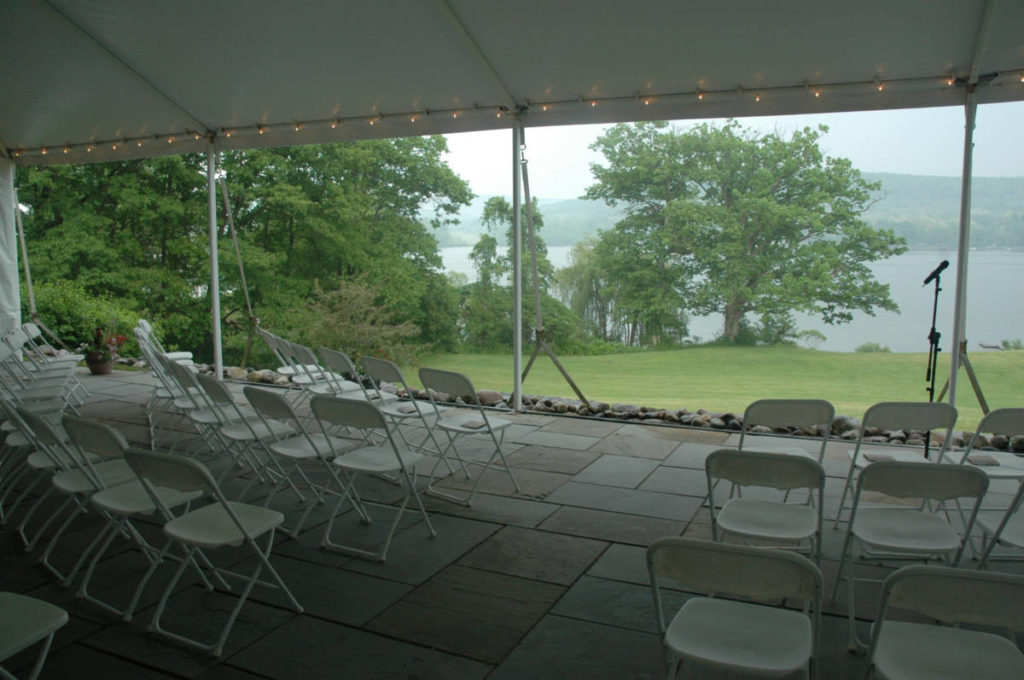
(724, 220)
(312, 222)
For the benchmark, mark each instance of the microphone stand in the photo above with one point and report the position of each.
(933, 354)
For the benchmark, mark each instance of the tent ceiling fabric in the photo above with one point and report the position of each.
(90, 80)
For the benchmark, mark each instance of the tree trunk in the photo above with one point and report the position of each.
(734, 311)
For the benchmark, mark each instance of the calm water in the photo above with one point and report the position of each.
(995, 303)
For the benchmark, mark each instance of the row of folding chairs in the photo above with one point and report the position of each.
(92, 469)
(31, 372)
(726, 626)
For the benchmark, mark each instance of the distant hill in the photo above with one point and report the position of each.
(923, 209)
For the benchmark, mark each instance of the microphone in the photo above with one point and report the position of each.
(935, 272)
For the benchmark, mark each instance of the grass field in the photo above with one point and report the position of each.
(729, 378)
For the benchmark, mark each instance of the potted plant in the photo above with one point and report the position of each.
(101, 352)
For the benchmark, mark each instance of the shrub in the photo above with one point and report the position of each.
(872, 347)
(812, 338)
(1012, 344)
(74, 315)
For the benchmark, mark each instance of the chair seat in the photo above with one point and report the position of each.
(470, 422)
(316, 446)
(37, 460)
(783, 521)
(905, 530)
(741, 636)
(209, 416)
(131, 498)
(376, 459)
(110, 473)
(212, 527)
(908, 651)
(245, 432)
(889, 453)
(26, 621)
(1013, 532)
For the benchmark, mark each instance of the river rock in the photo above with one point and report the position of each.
(235, 373)
(841, 424)
(490, 397)
(255, 376)
(1016, 444)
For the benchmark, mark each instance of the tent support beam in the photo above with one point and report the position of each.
(211, 179)
(517, 273)
(963, 247)
(478, 53)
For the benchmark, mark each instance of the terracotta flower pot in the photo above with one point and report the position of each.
(99, 363)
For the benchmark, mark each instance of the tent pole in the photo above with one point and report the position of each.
(211, 178)
(10, 289)
(960, 302)
(517, 273)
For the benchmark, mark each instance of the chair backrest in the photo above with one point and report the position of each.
(45, 431)
(342, 412)
(953, 595)
(449, 382)
(269, 403)
(382, 370)
(759, 468)
(172, 472)
(31, 330)
(217, 392)
(762, 574)
(95, 437)
(940, 482)
(802, 413)
(910, 415)
(1005, 421)
(339, 364)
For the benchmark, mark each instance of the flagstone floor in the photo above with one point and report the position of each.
(546, 583)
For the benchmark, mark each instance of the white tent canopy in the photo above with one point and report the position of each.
(94, 80)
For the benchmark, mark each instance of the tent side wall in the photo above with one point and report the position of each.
(10, 293)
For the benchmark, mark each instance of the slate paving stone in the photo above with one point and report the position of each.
(533, 484)
(559, 440)
(615, 603)
(551, 459)
(533, 554)
(637, 443)
(685, 481)
(622, 471)
(198, 614)
(622, 563)
(348, 652)
(83, 663)
(471, 612)
(68, 636)
(611, 526)
(414, 556)
(581, 426)
(496, 509)
(691, 455)
(629, 501)
(559, 648)
(337, 595)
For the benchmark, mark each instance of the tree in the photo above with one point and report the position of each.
(737, 223)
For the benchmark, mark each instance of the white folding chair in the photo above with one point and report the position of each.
(915, 526)
(461, 423)
(303, 446)
(1004, 528)
(905, 650)
(896, 415)
(402, 412)
(151, 339)
(77, 475)
(770, 520)
(221, 524)
(730, 635)
(386, 459)
(25, 621)
(118, 504)
(339, 365)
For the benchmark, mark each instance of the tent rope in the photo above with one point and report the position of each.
(254, 322)
(539, 332)
(33, 313)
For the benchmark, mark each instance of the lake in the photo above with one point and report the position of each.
(995, 303)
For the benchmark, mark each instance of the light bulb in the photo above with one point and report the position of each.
(43, 151)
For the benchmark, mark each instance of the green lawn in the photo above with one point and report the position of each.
(728, 378)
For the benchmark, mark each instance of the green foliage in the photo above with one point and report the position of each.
(137, 232)
(1012, 344)
(719, 219)
(869, 347)
(73, 314)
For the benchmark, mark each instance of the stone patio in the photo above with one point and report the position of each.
(547, 583)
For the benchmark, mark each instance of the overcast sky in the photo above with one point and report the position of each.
(913, 141)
